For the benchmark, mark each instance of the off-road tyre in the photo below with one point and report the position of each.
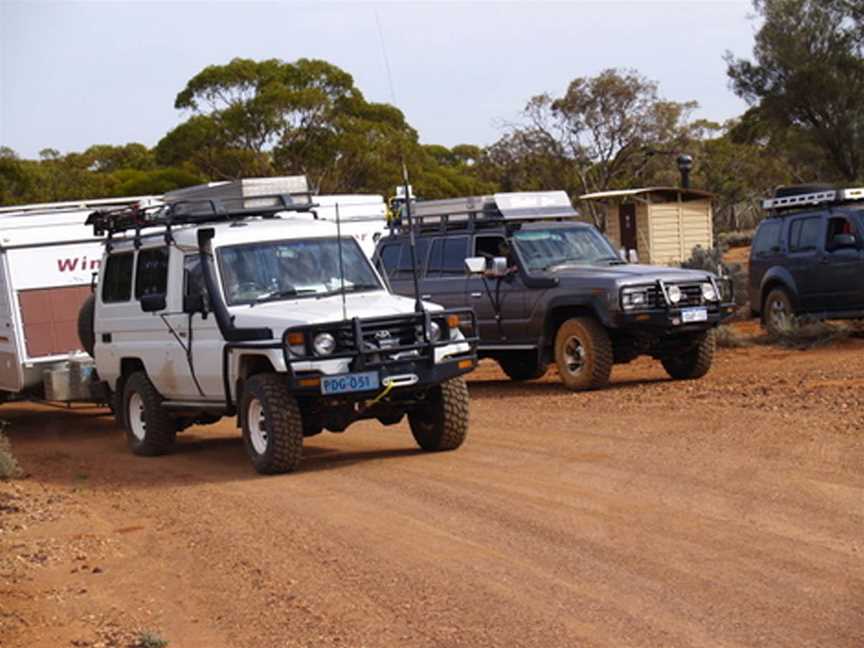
(695, 362)
(158, 428)
(86, 330)
(583, 354)
(441, 422)
(777, 305)
(280, 447)
(520, 369)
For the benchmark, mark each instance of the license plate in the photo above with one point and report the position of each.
(347, 383)
(694, 315)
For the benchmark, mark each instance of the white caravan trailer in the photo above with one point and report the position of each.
(47, 260)
(363, 216)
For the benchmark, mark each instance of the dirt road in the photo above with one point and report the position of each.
(724, 512)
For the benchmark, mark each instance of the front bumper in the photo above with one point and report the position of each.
(421, 363)
(670, 320)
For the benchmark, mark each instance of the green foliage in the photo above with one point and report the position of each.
(150, 639)
(711, 260)
(807, 77)
(605, 132)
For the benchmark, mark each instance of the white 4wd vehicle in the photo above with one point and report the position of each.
(271, 317)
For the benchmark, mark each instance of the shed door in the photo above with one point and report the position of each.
(627, 224)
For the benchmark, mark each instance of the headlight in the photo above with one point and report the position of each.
(708, 292)
(324, 344)
(634, 298)
(434, 331)
(674, 294)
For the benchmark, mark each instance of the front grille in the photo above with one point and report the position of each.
(691, 295)
(381, 334)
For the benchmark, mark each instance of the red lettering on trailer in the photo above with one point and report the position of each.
(71, 265)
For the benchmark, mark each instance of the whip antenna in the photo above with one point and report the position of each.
(341, 263)
(418, 303)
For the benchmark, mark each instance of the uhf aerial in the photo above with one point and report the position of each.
(418, 303)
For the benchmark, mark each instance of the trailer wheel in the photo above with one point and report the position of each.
(150, 429)
(272, 424)
(441, 422)
(86, 330)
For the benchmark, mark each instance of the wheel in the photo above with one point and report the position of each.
(86, 332)
(441, 422)
(693, 363)
(272, 424)
(150, 429)
(583, 353)
(522, 367)
(777, 312)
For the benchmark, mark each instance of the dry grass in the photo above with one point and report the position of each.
(9, 468)
(728, 338)
(802, 333)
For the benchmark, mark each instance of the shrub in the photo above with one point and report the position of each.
(802, 333)
(149, 639)
(735, 239)
(728, 338)
(9, 468)
(711, 260)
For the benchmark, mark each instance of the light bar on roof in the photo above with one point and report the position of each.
(815, 198)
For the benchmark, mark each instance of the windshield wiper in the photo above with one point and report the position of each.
(276, 294)
(612, 260)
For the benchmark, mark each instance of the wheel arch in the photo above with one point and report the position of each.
(557, 314)
(778, 278)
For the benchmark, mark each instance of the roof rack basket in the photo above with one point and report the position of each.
(826, 197)
(472, 211)
(213, 203)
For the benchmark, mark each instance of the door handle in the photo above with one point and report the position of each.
(476, 295)
(106, 338)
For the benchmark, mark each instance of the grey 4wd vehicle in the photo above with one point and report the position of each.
(546, 288)
(807, 257)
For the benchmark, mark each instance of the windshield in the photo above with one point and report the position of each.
(545, 249)
(273, 270)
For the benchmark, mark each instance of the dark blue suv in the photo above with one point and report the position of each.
(807, 256)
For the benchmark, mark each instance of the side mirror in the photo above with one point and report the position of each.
(840, 241)
(499, 267)
(152, 303)
(193, 304)
(475, 265)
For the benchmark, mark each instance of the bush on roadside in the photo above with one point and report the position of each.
(728, 338)
(711, 260)
(735, 239)
(149, 639)
(801, 333)
(9, 468)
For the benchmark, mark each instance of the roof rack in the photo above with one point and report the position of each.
(826, 197)
(39, 209)
(511, 207)
(157, 213)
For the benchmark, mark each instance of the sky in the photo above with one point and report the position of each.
(74, 74)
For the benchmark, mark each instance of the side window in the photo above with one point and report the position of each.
(403, 270)
(455, 252)
(389, 258)
(436, 253)
(151, 277)
(836, 226)
(193, 278)
(447, 257)
(117, 280)
(768, 237)
(805, 234)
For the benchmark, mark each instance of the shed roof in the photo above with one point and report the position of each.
(623, 193)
